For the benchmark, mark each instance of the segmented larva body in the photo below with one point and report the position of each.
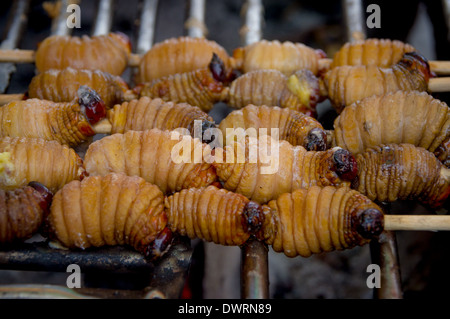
(111, 210)
(401, 117)
(62, 122)
(23, 160)
(315, 220)
(262, 169)
(402, 171)
(22, 212)
(212, 214)
(292, 126)
(108, 53)
(198, 88)
(379, 52)
(171, 164)
(145, 114)
(178, 55)
(286, 57)
(345, 85)
(62, 85)
(299, 92)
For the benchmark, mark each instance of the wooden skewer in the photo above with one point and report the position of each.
(28, 56)
(417, 222)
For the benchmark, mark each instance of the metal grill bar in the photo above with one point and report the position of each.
(104, 17)
(18, 23)
(195, 24)
(254, 254)
(147, 26)
(354, 19)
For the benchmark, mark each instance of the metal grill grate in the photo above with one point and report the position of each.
(167, 276)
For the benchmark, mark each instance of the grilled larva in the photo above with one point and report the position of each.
(202, 87)
(145, 114)
(345, 85)
(262, 169)
(294, 127)
(316, 220)
(178, 55)
(286, 57)
(108, 53)
(401, 117)
(379, 52)
(402, 171)
(23, 160)
(63, 85)
(22, 211)
(213, 214)
(299, 91)
(111, 210)
(66, 122)
(171, 164)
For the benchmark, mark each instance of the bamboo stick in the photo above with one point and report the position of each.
(28, 56)
(417, 222)
(6, 98)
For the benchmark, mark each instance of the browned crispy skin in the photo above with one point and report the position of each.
(346, 84)
(64, 122)
(286, 57)
(198, 88)
(178, 55)
(401, 117)
(214, 215)
(108, 53)
(111, 210)
(154, 156)
(263, 169)
(62, 85)
(23, 160)
(379, 52)
(22, 212)
(145, 114)
(390, 172)
(292, 126)
(315, 220)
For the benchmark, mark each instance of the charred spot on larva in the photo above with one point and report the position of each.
(159, 246)
(217, 68)
(316, 140)
(25, 96)
(416, 61)
(45, 193)
(91, 104)
(369, 223)
(345, 164)
(253, 217)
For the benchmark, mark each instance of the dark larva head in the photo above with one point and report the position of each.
(369, 223)
(207, 136)
(416, 61)
(46, 195)
(316, 140)
(253, 217)
(345, 164)
(92, 105)
(217, 68)
(159, 246)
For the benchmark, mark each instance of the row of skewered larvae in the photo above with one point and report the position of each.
(177, 70)
(131, 154)
(117, 209)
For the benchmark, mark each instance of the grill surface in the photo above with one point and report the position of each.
(150, 21)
